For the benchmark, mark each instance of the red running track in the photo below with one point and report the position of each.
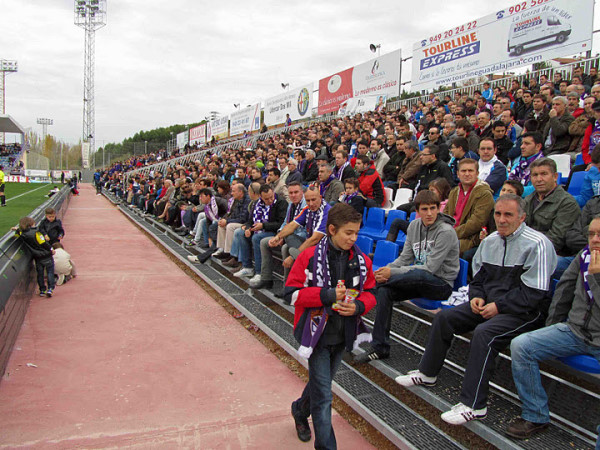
(132, 353)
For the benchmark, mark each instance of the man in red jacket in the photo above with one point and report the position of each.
(330, 285)
(370, 182)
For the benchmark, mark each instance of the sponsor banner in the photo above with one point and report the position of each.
(36, 173)
(217, 128)
(297, 103)
(379, 76)
(56, 174)
(245, 120)
(357, 105)
(16, 179)
(85, 155)
(529, 32)
(198, 135)
(182, 139)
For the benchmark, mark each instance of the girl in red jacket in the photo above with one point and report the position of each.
(331, 285)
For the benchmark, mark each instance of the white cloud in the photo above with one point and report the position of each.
(159, 63)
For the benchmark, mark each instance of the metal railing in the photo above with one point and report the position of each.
(565, 70)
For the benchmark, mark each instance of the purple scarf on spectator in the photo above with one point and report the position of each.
(325, 184)
(314, 217)
(584, 264)
(317, 320)
(230, 203)
(339, 171)
(261, 211)
(522, 171)
(348, 198)
(212, 210)
(293, 211)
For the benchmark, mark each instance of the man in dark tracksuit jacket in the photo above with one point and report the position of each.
(511, 282)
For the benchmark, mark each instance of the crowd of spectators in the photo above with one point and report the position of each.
(486, 187)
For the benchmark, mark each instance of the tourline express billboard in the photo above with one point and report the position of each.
(529, 32)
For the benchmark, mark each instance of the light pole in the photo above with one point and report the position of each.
(44, 123)
(91, 16)
(6, 66)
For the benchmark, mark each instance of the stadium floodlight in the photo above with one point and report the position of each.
(44, 123)
(375, 48)
(285, 85)
(91, 16)
(6, 66)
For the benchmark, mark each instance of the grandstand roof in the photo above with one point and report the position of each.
(10, 125)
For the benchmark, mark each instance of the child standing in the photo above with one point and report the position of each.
(41, 251)
(327, 317)
(51, 227)
(64, 268)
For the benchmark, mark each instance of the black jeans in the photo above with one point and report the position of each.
(396, 226)
(404, 286)
(489, 337)
(46, 265)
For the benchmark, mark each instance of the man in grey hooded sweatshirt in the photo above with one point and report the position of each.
(427, 267)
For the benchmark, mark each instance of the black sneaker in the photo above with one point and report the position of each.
(302, 427)
(49, 293)
(370, 355)
(42, 293)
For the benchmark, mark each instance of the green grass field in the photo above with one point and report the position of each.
(21, 199)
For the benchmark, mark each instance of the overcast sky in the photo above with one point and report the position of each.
(160, 63)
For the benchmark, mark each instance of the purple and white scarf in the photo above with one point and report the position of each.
(348, 198)
(584, 264)
(230, 203)
(293, 211)
(212, 210)
(315, 323)
(339, 171)
(314, 218)
(325, 184)
(522, 171)
(261, 211)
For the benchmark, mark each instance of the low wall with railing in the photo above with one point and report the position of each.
(18, 278)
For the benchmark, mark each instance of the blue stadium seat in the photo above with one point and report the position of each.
(413, 216)
(585, 363)
(365, 244)
(579, 159)
(392, 215)
(374, 223)
(576, 183)
(400, 240)
(385, 253)
(461, 280)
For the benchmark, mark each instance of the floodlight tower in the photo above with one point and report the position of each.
(5, 67)
(91, 16)
(44, 123)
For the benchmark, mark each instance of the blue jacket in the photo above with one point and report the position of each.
(591, 186)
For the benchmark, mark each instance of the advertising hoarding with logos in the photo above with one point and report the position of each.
(529, 32)
(379, 76)
(297, 103)
(218, 128)
(245, 120)
(183, 139)
(198, 135)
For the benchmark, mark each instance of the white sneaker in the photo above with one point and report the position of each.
(218, 252)
(192, 258)
(415, 378)
(245, 272)
(461, 414)
(255, 280)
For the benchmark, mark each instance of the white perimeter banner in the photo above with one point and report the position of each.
(357, 105)
(217, 128)
(297, 103)
(182, 139)
(85, 155)
(379, 76)
(36, 173)
(198, 135)
(247, 119)
(56, 174)
(529, 32)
